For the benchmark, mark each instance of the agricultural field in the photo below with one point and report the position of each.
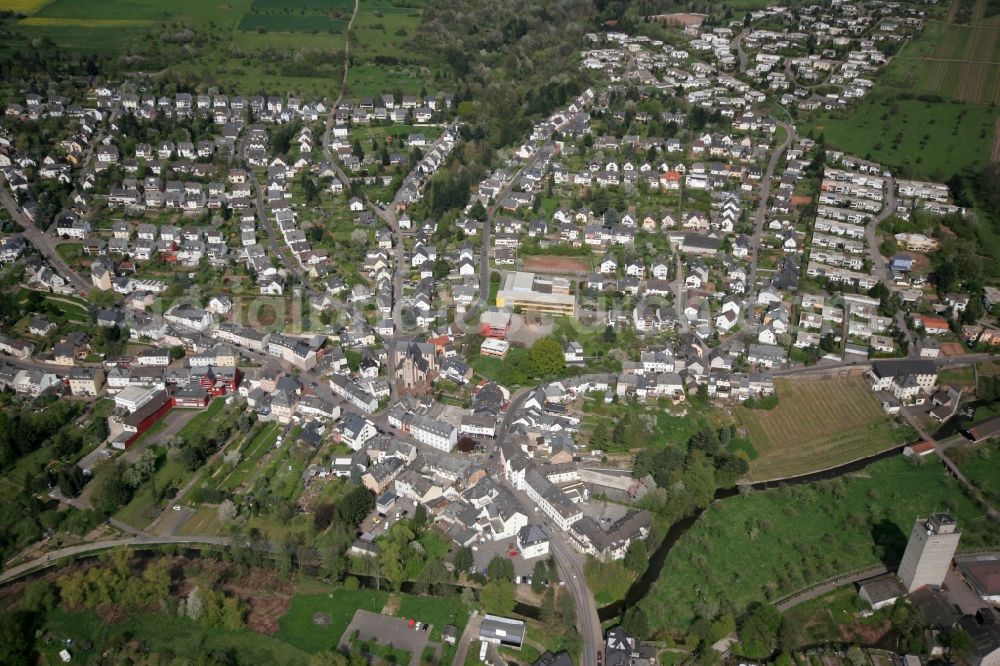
(297, 16)
(256, 45)
(311, 23)
(846, 423)
(768, 544)
(954, 60)
(933, 112)
(383, 57)
(109, 25)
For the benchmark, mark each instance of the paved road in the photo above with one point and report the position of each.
(829, 585)
(737, 44)
(761, 216)
(879, 266)
(484, 258)
(276, 247)
(33, 364)
(43, 242)
(570, 567)
(588, 623)
(470, 634)
(136, 541)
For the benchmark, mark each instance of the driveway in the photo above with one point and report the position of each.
(387, 630)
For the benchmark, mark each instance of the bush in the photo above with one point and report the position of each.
(767, 402)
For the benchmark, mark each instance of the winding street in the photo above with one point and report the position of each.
(43, 242)
(53, 557)
(737, 44)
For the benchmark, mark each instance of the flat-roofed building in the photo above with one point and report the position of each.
(545, 295)
(504, 631)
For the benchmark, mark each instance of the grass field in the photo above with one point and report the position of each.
(845, 423)
(72, 307)
(825, 618)
(935, 139)
(184, 640)
(204, 521)
(143, 508)
(311, 23)
(299, 630)
(769, 544)
(383, 30)
(981, 465)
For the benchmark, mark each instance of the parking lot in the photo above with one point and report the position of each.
(387, 630)
(604, 513)
(483, 554)
(370, 526)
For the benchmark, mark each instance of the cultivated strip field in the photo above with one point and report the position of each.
(995, 153)
(956, 60)
(819, 423)
(545, 263)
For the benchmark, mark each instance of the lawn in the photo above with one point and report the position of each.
(202, 419)
(769, 544)
(981, 465)
(176, 638)
(298, 629)
(818, 423)
(70, 252)
(72, 307)
(436, 611)
(144, 507)
(204, 521)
